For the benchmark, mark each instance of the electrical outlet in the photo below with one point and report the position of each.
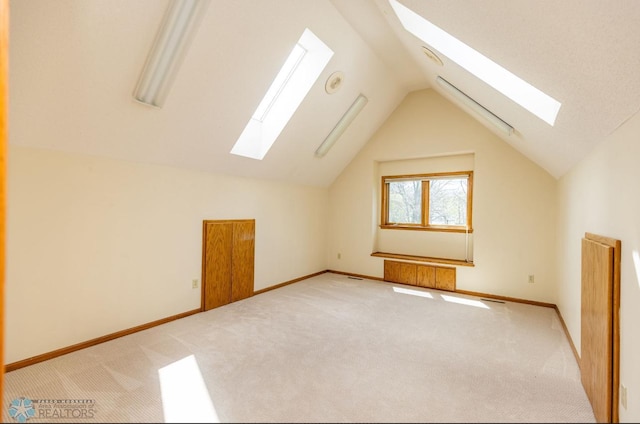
(194, 283)
(623, 395)
(531, 279)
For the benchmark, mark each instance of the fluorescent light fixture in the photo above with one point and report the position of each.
(178, 26)
(300, 71)
(518, 90)
(475, 106)
(342, 125)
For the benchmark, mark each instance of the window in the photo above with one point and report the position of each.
(535, 101)
(300, 71)
(433, 202)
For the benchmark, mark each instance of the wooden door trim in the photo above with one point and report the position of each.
(615, 323)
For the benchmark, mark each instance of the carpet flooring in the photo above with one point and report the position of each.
(330, 348)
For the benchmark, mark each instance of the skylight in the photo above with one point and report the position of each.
(518, 90)
(300, 71)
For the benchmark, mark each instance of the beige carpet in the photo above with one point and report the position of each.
(327, 349)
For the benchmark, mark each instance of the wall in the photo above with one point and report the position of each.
(97, 245)
(514, 200)
(601, 195)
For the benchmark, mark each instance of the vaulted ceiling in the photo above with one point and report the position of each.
(74, 65)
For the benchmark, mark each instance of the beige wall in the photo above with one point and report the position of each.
(97, 245)
(601, 195)
(514, 201)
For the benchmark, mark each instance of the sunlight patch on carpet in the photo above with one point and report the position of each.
(463, 301)
(185, 397)
(412, 292)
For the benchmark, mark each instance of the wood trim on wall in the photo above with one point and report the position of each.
(426, 192)
(351, 274)
(566, 332)
(432, 228)
(449, 261)
(507, 298)
(384, 207)
(63, 351)
(4, 114)
(286, 283)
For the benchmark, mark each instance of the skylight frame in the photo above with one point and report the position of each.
(515, 88)
(300, 71)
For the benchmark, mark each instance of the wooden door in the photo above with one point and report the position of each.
(599, 348)
(228, 250)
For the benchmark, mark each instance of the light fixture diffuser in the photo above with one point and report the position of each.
(477, 107)
(179, 24)
(342, 125)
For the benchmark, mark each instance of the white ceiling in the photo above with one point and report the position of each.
(74, 65)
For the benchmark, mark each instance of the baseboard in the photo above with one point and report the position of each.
(351, 274)
(566, 332)
(506, 298)
(286, 283)
(63, 351)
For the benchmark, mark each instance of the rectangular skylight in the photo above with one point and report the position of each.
(300, 71)
(518, 90)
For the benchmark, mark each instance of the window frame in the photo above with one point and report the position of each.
(424, 225)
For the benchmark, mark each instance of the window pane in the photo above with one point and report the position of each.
(448, 202)
(405, 202)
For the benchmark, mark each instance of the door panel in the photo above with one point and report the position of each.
(596, 351)
(446, 278)
(242, 260)
(426, 276)
(400, 272)
(217, 265)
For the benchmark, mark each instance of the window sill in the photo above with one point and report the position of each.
(421, 228)
(449, 261)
